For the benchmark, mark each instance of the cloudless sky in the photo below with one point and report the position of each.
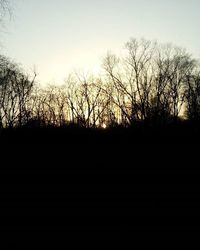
(60, 36)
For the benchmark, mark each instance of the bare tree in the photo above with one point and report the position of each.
(193, 97)
(86, 100)
(149, 83)
(181, 66)
(132, 79)
(15, 89)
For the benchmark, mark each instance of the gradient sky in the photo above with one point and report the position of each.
(60, 36)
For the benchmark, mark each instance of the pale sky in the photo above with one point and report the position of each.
(60, 36)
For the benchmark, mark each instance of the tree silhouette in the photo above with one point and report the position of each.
(193, 97)
(15, 89)
(152, 84)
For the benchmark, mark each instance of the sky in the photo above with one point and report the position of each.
(57, 37)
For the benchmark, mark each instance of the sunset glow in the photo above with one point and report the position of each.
(76, 34)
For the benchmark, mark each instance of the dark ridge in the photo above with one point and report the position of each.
(173, 133)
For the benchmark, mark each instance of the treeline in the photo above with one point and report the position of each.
(152, 83)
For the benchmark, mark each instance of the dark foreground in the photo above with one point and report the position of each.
(75, 188)
(174, 133)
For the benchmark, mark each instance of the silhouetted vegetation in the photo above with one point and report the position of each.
(153, 87)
